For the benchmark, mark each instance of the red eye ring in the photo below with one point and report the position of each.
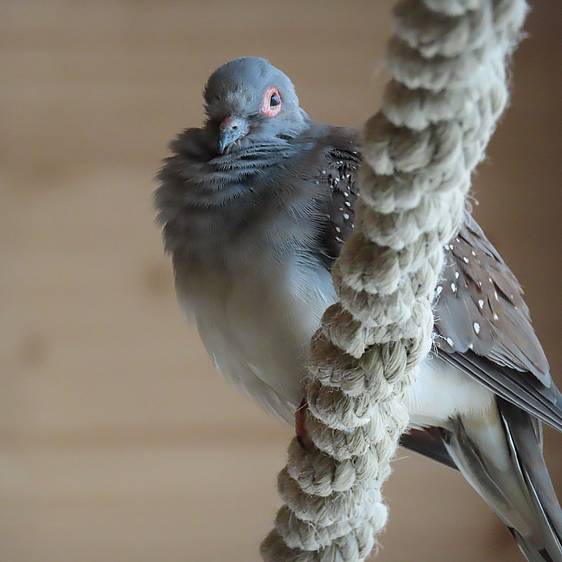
(269, 107)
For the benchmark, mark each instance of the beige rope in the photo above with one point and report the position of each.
(447, 59)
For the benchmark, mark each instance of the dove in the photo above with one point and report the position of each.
(255, 207)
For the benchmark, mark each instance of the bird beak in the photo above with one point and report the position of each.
(231, 129)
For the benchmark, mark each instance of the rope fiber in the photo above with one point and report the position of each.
(447, 60)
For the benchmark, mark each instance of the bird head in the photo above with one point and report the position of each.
(250, 101)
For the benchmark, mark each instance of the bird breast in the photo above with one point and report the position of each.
(256, 309)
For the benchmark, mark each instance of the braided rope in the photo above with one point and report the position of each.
(448, 64)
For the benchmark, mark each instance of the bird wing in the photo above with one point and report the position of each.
(482, 324)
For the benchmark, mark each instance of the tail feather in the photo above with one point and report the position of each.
(429, 442)
(501, 457)
(526, 450)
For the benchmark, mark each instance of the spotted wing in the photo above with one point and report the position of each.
(480, 307)
(483, 326)
(339, 174)
(482, 323)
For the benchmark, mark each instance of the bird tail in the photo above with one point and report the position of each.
(501, 457)
(525, 439)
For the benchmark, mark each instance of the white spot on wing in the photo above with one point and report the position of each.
(476, 327)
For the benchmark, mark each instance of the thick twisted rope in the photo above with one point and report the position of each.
(447, 59)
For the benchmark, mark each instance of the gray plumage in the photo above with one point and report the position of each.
(255, 207)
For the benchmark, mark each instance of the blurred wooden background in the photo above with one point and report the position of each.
(118, 441)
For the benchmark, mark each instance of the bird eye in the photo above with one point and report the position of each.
(271, 104)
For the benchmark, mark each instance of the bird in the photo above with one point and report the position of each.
(255, 206)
